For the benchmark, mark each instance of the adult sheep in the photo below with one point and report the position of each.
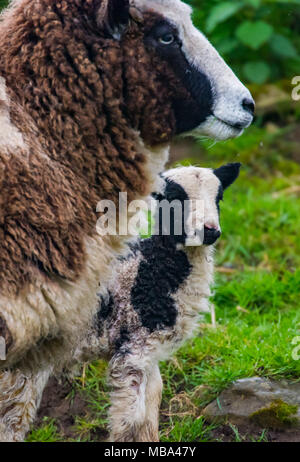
(91, 93)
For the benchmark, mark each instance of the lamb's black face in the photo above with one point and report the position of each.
(189, 112)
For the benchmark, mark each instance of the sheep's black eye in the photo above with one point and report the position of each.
(166, 39)
(163, 36)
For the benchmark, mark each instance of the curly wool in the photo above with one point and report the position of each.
(77, 97)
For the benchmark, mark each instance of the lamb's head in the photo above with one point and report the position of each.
(176, 81)
(194, 195)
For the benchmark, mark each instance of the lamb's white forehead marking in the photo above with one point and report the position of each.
(195, 181)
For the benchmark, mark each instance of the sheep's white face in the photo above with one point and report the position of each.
(206, 186)
(226, 107)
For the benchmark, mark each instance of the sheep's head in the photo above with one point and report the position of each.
(189, 200)
(175, 80)
(142, 63)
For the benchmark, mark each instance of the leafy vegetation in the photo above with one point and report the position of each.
(3, 4)
(259, 38)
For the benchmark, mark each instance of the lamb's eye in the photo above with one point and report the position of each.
(166, 39)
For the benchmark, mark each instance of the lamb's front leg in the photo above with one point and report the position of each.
(20, 396)
(135, 398)
(149, 430)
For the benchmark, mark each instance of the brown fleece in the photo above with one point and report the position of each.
(76, 94)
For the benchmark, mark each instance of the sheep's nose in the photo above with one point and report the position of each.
(249, 105)
(234, 105)
(211, 234)
(248, 108)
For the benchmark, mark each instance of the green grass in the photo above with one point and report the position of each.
(256, 297)
(46, 433)
(92, 386)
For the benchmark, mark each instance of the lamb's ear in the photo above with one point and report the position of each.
(113, 16)
(227, 174)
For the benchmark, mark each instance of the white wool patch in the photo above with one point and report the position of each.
(156, 159)
(20, 396)
(10, 136)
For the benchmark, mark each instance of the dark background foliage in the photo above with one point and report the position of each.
(259, 38)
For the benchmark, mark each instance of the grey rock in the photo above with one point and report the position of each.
(246, 397)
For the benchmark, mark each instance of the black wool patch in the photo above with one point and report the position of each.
(121, 341)
(160, 274)
(193, 111)
(173, 192)
(227, 174)
(190, 114)
(219, 197)
(133, 249)
(105, 309)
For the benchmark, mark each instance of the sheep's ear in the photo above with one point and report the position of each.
(113, 16)
(227, 174)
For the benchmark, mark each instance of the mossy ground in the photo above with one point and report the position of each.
(278, 415)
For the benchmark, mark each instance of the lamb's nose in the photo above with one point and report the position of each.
(211, 234)
(249, 105)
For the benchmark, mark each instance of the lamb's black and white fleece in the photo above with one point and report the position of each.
(162, 285)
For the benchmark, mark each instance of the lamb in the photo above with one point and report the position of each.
(91, 94)
(155, 298)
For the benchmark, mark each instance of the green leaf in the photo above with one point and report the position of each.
(254, 34)
(293, 65)
(282, 46)
(297, 2)
(257, 71)
(220, 13)
(3, 3)
(254, 3)
(227, 46)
